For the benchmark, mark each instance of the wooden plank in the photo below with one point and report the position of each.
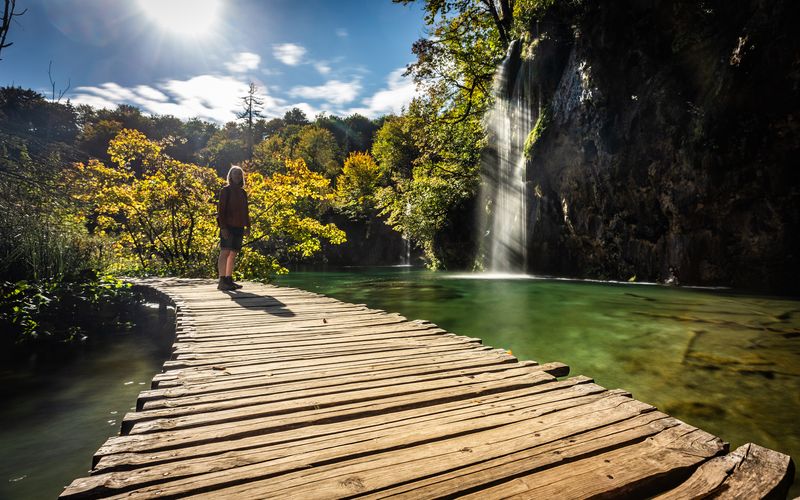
(321, 360)
(336, 446)
(633, 471)
(254, 401)
(189, 436)
(181, 377)
(305, 353)
(396, 466)
(216, 382)
(155, 420)
(446, 411)
(750, 471)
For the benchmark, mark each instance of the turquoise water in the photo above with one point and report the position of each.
(726, 362)
(56, 415)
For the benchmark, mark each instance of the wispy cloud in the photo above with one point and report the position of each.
(342, 33)
(332, 91)
(243, 62)
(397, 94)
(210, 97)
(322, 67)
(289, 53)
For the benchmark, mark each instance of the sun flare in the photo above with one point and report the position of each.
(194, 18)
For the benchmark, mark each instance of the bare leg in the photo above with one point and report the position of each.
(230, 262)
(222, 262)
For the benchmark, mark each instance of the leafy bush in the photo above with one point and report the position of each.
(41, 316)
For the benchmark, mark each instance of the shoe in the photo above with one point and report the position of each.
(235, 285)
(224, 284)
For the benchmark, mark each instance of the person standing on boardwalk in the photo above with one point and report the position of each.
(233, 218)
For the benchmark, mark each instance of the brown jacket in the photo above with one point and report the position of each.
(233, 209)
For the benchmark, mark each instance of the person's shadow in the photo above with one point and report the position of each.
(269, 305)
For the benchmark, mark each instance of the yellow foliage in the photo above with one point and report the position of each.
(161, 213)
(357, 185)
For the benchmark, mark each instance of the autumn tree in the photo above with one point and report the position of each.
(225, 147)
(282, 227)
(357, 186)
(159, 212)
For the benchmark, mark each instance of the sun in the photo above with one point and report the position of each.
(195, 18)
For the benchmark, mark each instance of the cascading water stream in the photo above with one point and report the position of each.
(504, 167)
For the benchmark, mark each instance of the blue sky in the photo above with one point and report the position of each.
(336, 56)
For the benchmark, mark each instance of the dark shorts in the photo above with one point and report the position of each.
(235, 241)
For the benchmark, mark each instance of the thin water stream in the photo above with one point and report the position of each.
(726, 362)
(55, 415)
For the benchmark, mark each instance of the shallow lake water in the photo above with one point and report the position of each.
(723, 361)
(55, 415)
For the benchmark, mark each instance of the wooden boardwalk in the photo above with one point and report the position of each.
(274, 392)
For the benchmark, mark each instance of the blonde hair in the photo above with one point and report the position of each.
(241, 174)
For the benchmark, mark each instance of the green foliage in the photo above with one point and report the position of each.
(226, 147)
(536, 132)
(394, 147)
(357, 185)
(445, 172)
(38, 315)
(39, 237)
(270, 155)
(317, 146)
(420, 208)
(526, 12)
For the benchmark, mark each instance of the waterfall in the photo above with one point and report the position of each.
(406, 257)
(503, 168)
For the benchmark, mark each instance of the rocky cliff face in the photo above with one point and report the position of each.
(671, 145)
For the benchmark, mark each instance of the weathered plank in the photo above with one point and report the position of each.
(750, 471)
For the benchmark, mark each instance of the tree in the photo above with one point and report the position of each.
(357, 186)
(9, 13)
(318, 148)
(282, 228)
(225, 147)
(251, 111)
(454, 70)
(269, 155)
(159, 212)
(295, 116)
(394, 147)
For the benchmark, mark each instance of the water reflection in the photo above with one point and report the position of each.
(56, 415)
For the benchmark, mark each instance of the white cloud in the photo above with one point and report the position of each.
(210, 97)
(243, 62)
(151, 93)
(333, 91)
(397, 94)
(323, 67)
(289, 53)
(342, 33)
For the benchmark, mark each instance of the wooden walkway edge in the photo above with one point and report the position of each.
(275, 392)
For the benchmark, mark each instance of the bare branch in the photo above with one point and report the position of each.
(8, 16)
(61, 92)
